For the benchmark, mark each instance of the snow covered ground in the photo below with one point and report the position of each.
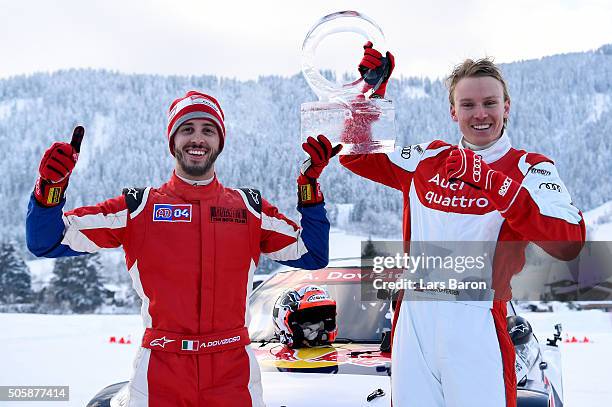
(599, 222)
(74, 350)
(587, 367)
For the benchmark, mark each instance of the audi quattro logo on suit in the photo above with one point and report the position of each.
(172, 213)
(477, 167)
(439, 196)
(551, 186)
(407, 151)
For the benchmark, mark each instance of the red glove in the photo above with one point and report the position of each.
(55, 169)
(465, 165)
(376, 70)
(320, 151)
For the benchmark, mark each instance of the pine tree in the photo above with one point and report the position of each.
(369, 250)
(15, 280)
(76, 285)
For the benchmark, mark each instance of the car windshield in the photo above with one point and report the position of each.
(358, 321)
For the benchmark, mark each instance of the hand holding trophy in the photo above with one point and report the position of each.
(355, 113)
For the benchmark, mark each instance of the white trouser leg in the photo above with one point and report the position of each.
(446, 354)
(470, 358)
(415, 377)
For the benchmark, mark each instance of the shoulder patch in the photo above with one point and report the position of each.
(535, 158)
(437, 144)
(133, 198)
(529, 161)
(253, 197)
(407, 157)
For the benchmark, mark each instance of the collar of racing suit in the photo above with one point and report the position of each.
(197, 182)
(176, 186)
(492, 152)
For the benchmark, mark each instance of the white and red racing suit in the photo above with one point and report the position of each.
(191, 252)
(448, 353)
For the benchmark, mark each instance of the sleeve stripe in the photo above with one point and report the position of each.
(291, 252)
(76, 240)
(513, 199)
(277, 225)
(95, 221)
(75, 225)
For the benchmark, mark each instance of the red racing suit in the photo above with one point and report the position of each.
(450, 353)
(191, 252)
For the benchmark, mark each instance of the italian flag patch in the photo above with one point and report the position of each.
(190, 345)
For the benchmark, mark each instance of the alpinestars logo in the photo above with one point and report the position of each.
(504, 188)
(161, 342)
(520, 327)
(133, 192)
(254, 196)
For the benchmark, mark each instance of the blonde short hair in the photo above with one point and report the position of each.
(475, 69)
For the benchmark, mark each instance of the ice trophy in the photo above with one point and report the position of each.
(344, 113)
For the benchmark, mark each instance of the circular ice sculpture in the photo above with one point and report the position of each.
(343, 113)
(339, 22)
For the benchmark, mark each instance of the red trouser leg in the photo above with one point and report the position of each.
(172, 380)
(230, 379)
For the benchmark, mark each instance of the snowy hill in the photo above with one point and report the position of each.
(599, 222)
(560, 107)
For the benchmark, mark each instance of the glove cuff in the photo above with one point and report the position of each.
(501, 189)
(48, 193)
(309, 191)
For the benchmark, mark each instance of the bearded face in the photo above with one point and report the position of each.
(196, 148)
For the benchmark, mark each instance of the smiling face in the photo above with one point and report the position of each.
(480, 109)
(196, 147)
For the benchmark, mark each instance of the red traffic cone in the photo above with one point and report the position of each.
(574, 340)
(585, 340)
(122, 341)
(112, 339)
(129, 340)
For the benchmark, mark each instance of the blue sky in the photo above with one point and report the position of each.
(246, 39)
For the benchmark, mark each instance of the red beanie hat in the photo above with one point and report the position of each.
(195, 105)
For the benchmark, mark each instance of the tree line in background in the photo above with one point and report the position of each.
(76, 285)
(561, 107)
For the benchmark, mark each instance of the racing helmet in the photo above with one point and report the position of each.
(305, 316)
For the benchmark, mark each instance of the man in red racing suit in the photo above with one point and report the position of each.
(191, 247)
(449, 353)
